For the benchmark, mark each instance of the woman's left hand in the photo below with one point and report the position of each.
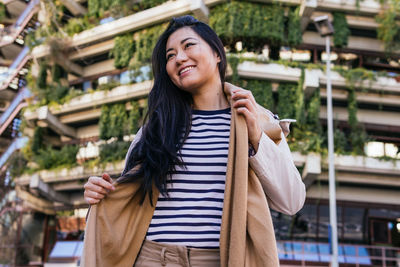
(245, 104)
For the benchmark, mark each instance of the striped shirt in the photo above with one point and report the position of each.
(191, 216)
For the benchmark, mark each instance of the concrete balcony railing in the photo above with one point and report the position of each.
(134, 22)
(384, 90)
(352, 172)
(9, 34)
(88, 106)
(367, 7)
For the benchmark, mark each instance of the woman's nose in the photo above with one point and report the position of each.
(181, 56)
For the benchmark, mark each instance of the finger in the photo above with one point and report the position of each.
(107, 177)
(91, 201)
(101, 182)
(97, 189)
(94, 195)
(242, 93)
(245, 103)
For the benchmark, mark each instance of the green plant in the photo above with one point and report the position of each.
(287, 98)
(37, 141)
(124, 47)
(233, 63)
(76, 25)
(299, 103)
(41, 82)
(115, 121)
(388, 29)
(49, 157)
(262, 92)
(113, 151)
(17, 164)
(252, 23)
(3, 13)
(145, 40)
(342, 31)
(294, 36)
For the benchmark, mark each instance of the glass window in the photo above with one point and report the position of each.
(353, 225)
(324, 222)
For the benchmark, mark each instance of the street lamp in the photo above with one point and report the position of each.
(325, 29)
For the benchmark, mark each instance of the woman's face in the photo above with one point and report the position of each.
(191, 63)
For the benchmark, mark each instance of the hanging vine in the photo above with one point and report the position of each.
(342, 31)
(389, 29)
(252, 23)
(294, 35)
(124, 47)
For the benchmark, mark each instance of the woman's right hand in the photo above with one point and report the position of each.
(97, 188)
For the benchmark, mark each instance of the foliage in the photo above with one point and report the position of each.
(37, 140)
(115, 121)
(119, 8)
(233, 63)
(41, 81)
(76, 25)
(388, 29)
(340, 141)
(17, 164)
(113, 151)
(299, 103)
(358, 136)
(252, 23)
(294, 36)
(287, 97)
(3, 12)
(262, 92)
(124, 47)
(144, 42)
(49, 157)
(342, 31)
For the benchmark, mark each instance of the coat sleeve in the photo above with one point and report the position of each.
(279, 177)
(132, 145)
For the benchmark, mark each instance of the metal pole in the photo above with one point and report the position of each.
(332, 189)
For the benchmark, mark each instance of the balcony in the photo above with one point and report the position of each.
(293, 253)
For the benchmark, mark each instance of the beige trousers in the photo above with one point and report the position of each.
(154, 254)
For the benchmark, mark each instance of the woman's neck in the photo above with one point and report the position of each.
(211, 98)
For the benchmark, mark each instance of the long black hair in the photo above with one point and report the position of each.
(169, 115)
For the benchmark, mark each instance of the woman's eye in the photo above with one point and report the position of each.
(189, 44)
(169, 56)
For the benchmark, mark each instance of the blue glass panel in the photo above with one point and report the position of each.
(79, 249)
(64, 249)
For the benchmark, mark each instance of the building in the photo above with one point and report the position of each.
(88, 75)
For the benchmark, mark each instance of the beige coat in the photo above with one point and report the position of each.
(117, 226)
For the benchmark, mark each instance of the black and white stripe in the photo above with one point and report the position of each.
(191, 216)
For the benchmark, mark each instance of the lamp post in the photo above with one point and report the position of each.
(325, 29)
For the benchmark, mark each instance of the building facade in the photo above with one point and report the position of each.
(74, 86)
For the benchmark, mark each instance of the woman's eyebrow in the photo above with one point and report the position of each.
(184, 40)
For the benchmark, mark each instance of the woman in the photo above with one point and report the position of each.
(179, 160)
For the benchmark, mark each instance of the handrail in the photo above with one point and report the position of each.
(348, 253)
(17, 144)
(18, 63)
(9, 34)
(24, 93)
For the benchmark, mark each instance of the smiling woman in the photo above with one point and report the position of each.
(202, 172)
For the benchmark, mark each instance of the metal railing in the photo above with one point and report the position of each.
(9, 34)
(15, 67)
(313, 253)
